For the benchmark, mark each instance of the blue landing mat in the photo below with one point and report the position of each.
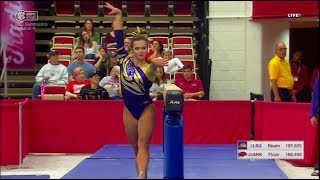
(193, 169)
(190, 151)
(25, 177)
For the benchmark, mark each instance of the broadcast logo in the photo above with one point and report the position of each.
(27, 15)
(242, 145)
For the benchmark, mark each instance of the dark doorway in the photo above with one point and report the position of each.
(306, 40)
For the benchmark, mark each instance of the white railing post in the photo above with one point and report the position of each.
(20, 134)
(4, 69)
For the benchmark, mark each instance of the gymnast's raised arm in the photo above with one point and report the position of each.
(117, 27)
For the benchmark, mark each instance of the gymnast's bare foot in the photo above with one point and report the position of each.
(142, 175)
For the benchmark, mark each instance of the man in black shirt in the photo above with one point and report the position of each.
(93, 91)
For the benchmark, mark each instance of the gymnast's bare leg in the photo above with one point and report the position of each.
(139, 133)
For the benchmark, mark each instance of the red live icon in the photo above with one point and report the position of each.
(294, 15)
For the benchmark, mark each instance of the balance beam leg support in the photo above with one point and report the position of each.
(173, 147)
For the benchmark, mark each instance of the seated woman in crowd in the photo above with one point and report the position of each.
(174, 64)
(93, 91)
(91, 48)
(156, 90)
(112, 83)
(73, 87)
(157, 50)
(94, 36)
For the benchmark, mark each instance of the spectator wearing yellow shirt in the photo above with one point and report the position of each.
(281, 79)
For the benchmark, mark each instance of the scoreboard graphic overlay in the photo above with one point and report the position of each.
(270, 150)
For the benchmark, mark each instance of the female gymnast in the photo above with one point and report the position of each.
(136, 78)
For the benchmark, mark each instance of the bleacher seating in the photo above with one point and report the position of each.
(192, 63)
(182, 8)
(63, 41)
(64, 8)
(164, 40)
(53, 92)
(136, 8)
(89, 8)
(65, 62)
(159, 8)
(112, 49)
(54, 89)
(183, 53)
(165, 19)
(63, 52)
(182, 42)
(91, 61)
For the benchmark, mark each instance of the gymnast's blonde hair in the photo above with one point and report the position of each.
(140, 32)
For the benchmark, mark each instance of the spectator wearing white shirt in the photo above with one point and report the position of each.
(52, 73)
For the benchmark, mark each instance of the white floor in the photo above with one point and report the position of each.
(58, 165)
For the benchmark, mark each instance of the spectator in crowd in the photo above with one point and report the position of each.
(281, 79)
(113, 61)
(314, 75)
(91, 48)
(157, 50)
(89, 27)
(314, 116)
(91, 91)
(112, 83)
(74, 86)
(101, 63)
(127, 46)
(52, 73)
(174, 63)
(106, 62)
(156, 90)
(192, 88)
(80, 62)
(300, 75)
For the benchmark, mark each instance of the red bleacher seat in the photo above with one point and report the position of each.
(89, 8)
(182, 8)
(192, 63)
(164, 40)
(91, 61)
(54, 89)
(181, 42)
(64, 8)
(160, 25)
(183, 53)
(112, 49)
(136, 8)
(63, 41)
(159, 8)
(179, 75)
(65, 62)
(63, 52)
(53, 92)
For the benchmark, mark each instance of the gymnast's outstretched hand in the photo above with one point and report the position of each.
(113, 9)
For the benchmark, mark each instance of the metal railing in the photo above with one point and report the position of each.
(4, 73)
